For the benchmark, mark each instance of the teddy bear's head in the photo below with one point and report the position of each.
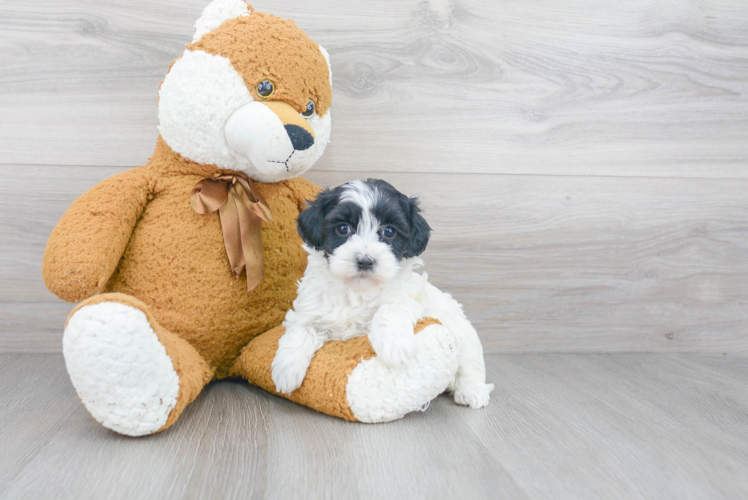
(252, 92)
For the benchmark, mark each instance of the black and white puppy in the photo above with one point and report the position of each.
(363, 239)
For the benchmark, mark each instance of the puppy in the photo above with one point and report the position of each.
(363, 239)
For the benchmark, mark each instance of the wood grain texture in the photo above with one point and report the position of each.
(541, 263)
(31, 318)
(588, 264)
(561, 88)
(610, 249)
(588, 426)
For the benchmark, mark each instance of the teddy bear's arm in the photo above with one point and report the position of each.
(90, 238)
(303, 190)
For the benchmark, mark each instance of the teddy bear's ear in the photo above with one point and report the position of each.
(218, 12)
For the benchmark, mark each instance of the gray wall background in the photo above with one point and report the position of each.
(584, 164)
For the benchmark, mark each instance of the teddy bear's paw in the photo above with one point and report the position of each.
(289, 370)
(395, 348)
(376, 392)
(475, 395)
(120, 370)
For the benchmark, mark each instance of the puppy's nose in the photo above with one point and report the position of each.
(364, 263)
(300, 138)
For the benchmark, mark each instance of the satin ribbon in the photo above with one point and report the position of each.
(242, 209)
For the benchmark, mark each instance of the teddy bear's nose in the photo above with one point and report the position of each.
(300, 138)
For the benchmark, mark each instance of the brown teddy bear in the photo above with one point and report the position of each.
(186, 266)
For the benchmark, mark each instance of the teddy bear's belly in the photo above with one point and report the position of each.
(176, 263)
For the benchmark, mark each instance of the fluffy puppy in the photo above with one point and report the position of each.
(363, 240)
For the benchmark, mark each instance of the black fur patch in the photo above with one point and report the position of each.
(317, 224)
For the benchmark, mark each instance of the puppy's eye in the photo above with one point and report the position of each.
(309, 111)
(265, 89)
(388, 232)
(343, 229)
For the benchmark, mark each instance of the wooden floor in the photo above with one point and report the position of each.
(598, 426)
(584, 166)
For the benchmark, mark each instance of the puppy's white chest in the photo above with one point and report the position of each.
(334, 310)
(351, 316)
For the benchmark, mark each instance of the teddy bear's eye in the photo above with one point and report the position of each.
(309, 111)
(265, 88)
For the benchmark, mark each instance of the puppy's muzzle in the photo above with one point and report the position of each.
(365, 263)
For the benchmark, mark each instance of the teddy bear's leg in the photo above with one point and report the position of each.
(132, 375)
(347, 380)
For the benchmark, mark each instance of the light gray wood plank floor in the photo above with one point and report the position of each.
(559, 426)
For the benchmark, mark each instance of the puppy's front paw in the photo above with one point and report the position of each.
(288, 371)
(475, 395)
(394, 347)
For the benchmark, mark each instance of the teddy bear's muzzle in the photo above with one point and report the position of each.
(268, 134)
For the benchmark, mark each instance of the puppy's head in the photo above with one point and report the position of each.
(365, 228)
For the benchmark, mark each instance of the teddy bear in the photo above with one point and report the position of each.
(184, 268)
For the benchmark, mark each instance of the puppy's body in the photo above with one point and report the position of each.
(364, 280)
(343, 312)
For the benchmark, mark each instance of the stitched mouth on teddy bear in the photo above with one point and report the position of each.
(257, 133)
(284, 162)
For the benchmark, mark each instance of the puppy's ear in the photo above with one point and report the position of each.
(310, 224)
(419, 230)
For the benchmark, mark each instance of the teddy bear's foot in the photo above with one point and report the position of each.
(378, 393)
(119, 368)
(346, 379)
(126, 369)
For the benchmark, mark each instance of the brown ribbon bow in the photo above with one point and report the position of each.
(242, 209)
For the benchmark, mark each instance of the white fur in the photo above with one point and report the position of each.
(298, 344)
(207, 113)
(328, 309)
(327, 58)
(216, 13)
(338, 301)
(120, 370)
(258, 137)
(343, 261)
(379, 393)
(257, 134)
(364, 196)
(197, 97)
(321, 126)
(364, 243)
